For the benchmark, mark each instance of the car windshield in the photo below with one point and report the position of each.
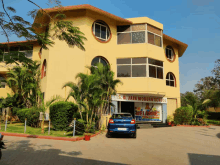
(114, 116)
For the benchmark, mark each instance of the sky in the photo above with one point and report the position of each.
(194, 22)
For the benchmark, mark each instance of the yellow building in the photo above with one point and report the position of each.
(142, 57)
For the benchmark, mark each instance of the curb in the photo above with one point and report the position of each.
(47, 137)
(192, 126)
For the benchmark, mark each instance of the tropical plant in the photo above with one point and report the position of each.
(24, 82)
(93, 92)
(183, 115)
(40, 31)
(170, 118)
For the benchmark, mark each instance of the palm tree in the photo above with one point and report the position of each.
(78, 94)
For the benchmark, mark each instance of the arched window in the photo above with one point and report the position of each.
(2, 84)
(101, 30)
(44, 69)
(99, 60)
(170, 80)
(170, 53)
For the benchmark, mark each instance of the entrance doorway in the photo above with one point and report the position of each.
(127, 107)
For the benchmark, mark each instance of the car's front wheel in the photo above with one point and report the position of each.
(134, 135)
(108, 135)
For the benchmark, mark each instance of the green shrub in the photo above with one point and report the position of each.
(61, 114)
(79, 128)
(195, 122)
(32, 115)
(213, 122)
(77, 116)
(183, 115)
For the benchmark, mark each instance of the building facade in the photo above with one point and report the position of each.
(142, 57)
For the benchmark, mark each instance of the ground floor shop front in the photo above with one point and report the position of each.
(142, 108)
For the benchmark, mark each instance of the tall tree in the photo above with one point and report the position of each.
(40, 31)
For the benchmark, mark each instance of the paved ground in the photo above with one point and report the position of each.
(164, 146)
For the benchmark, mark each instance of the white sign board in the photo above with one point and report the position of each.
(135, 98)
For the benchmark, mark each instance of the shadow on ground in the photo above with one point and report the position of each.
(200, 159)
(218, 135)
(24, 152)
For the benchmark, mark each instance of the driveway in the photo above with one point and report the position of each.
(164, 146)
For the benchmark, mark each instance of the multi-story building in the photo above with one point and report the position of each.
(143, 58)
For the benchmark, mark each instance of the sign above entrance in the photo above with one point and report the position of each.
(134, 98)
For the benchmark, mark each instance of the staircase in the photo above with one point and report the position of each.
(147, 125)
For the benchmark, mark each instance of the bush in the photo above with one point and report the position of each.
(32, 115)
(79, 128)
(77, 116)
(195, 122)
(61, 114)
(183, 115)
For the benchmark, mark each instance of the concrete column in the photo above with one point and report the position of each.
(164, 109)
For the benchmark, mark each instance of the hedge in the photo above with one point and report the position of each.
(32, 115)
(183, 115)
(61, 114)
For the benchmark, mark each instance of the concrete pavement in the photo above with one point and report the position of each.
(171, 146)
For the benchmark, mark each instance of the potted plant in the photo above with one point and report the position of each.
(169, 119)
(87, 133)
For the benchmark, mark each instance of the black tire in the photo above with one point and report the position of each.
(108, 135)
(134, 135)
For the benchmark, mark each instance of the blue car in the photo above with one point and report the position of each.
(122, 123)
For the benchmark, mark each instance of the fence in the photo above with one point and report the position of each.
(75, 128)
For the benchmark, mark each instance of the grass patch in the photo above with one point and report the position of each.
(217, 122)
(19, 128)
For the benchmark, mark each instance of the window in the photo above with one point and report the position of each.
(2, 84)
(170, 80)
(99, 60)
(131, 34)
(137, 33)
(132, 67)
(27, 51)
(155, 68)
(170, 53)
(44, 69)
(101, 30)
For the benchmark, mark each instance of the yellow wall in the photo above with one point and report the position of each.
(64, 62)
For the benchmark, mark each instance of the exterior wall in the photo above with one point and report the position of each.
(4, 70)
(63, 63)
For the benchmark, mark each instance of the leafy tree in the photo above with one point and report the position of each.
(61, 28)
(24, 82)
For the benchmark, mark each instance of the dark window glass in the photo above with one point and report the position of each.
(95, 61)
(14, 48)
(103, 32)
(124, 61)
(139, 60)
(138, 70)
(150, 38)
(108, 34)
(155, 62)
(167, 77)
(97, 30)
(157, 40)
(159, 73)
(2, 84)
(101, 23)
(103, 61)
(172, 83)
(123, 28)
(124, 38)
(124, 71)
(167, 82)
(171, 77)
(138, 37)
(152, 71)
